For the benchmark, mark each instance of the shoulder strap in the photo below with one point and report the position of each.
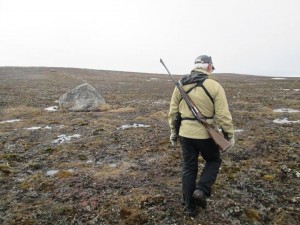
(206, 91)
(200, 84)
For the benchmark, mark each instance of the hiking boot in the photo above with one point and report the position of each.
(200, 198)
(190, 212)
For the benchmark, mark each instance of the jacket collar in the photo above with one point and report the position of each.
(196, 76)
(202, 72)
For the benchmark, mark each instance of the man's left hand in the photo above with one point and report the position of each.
(173, 139)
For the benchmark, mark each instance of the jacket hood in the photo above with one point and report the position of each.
(196, 75)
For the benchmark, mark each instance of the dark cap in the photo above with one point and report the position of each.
(204, 59)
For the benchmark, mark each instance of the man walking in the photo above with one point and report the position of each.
(209, 97)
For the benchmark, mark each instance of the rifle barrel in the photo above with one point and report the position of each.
(162, 62)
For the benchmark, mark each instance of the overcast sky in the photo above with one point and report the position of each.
(259, 37)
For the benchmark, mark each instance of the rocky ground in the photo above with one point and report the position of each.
(117, 166)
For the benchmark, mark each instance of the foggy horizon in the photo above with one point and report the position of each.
(243, 37)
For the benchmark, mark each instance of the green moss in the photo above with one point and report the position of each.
(5, 169)
(63, 209)
(29, 222)
(50, 150)
(63, 174)
(82, 157)
(125, 213)
(79, 122)
(35, 166)
(252, 214)
(26, 146)
(268, 177)
(231, 177)
(231, 169)
(36, 181)
(10, 157)
(29, 182)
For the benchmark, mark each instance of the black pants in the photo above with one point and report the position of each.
(191, 148)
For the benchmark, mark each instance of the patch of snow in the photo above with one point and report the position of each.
(286, 110)
(51, 127)
(64, 138)
(153, 78)
(19, 179)
(56, 101)
(113, 165)
(278, 78)
(46, 127)
(33, 128)
(238, 130)
(135, 125)
(161, 102)
(52, 109)
(285, 121)
(10, 121)
(287, 89)
(52, 172)
(89, 161)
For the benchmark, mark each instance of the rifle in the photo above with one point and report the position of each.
(215, 135)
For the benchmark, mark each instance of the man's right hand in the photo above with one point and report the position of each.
(232, 141)
(173, 138)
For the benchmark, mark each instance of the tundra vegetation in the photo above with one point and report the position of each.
(116, 166)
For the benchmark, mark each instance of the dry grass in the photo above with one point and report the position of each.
(104, 107)
(112, 171)
(20, 112)
(162, 115)
(122, 110)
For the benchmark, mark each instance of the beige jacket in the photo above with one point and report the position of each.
(219, 110)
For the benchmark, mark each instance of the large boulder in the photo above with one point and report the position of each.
(82, 98)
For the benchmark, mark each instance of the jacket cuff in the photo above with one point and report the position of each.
(173, 131)
(229, 136)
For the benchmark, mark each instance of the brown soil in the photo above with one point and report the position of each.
(132, 176)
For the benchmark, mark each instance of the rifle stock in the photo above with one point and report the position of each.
(218, 138)
(215, 135)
